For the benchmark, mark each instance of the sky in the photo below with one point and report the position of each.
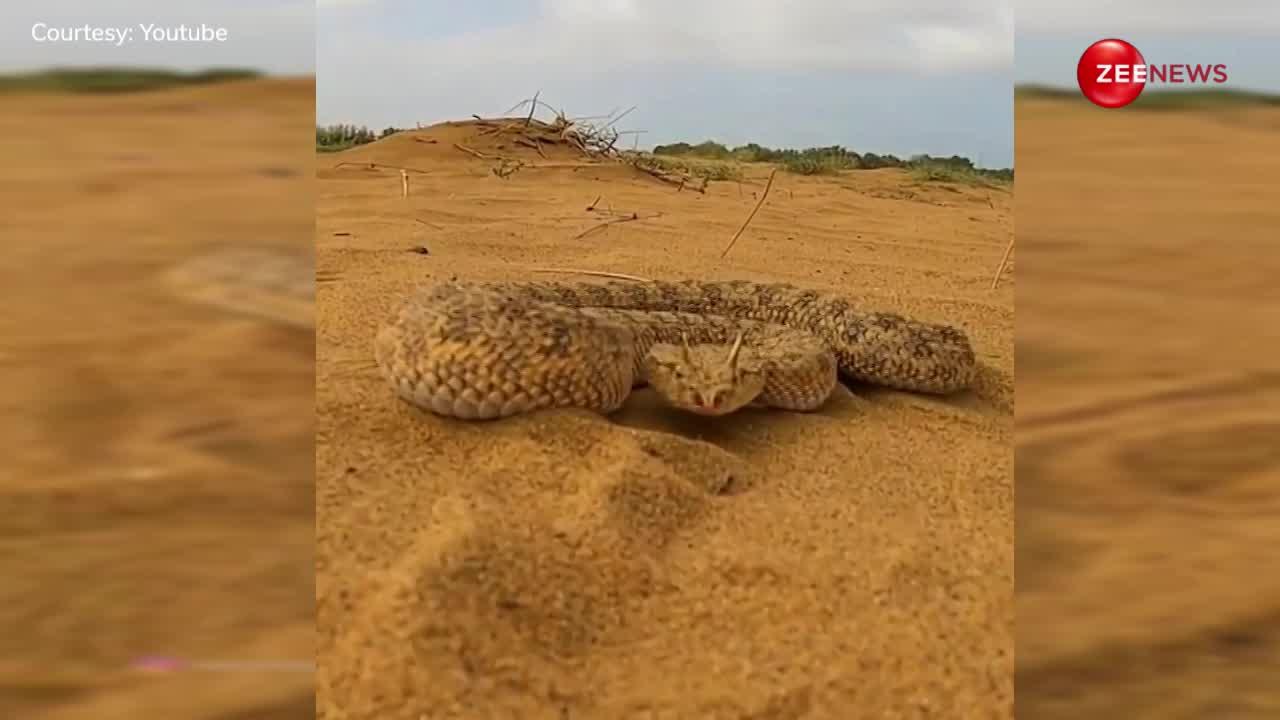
(272, 36)
(1243, 34)
(883, 76)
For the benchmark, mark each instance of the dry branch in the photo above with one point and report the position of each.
(754, 210)
(594, 140)
(476, 153)
(650, 167)
(535, 101)
(631, 217)
(595, 273)
(1004, 261)
(537, 146)
(624, 114)
(532, 106)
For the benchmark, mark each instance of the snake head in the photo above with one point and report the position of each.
(703, 379)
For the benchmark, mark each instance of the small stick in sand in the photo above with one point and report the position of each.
(595, 273)
(533, 105)
(374, 166)
(404, 184)
(522, 140)
(614, 221)
(476, 153)
(1003, 262)
(754, 210)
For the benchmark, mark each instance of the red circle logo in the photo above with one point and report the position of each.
(1111, 73)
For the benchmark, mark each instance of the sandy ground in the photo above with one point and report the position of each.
(156, 495)
(853, 562)
(1148, 397)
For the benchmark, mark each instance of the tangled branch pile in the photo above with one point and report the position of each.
(595, 138)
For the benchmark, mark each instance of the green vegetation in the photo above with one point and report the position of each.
(812, 161)
(1197, 99)
(115, 79)
(711, 169)
(946, 170)
(834, 159)
(334, 138)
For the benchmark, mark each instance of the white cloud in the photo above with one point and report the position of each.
(1106, 17)
(930, 36)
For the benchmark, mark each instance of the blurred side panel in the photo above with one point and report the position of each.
(1148, 390)
(157, 361)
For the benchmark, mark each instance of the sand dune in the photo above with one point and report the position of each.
(653, 564)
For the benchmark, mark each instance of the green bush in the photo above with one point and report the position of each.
(699, 167)
(332, 138)
(956, 169)
(835, 158)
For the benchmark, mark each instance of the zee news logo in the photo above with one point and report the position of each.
(1112, 73)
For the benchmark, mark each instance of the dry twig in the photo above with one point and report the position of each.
(476, 153)
(595, 273)
(532, 106)
(647, 166)
(754, 210)
(1003, 262)
(624, 114)
(596, 141)
(632, 217)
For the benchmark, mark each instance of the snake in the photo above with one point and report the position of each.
(475, 350)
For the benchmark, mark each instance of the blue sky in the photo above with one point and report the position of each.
(1243, 34)
(885, 76)
(275, 36)
(900, 76)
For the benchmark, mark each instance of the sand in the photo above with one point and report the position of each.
(855, 562)
(157, 490)
(1148, 396)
